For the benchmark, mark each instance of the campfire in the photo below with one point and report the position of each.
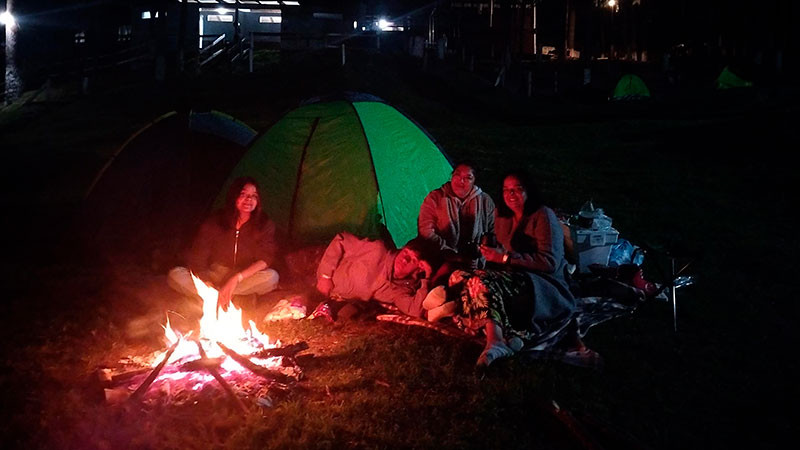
(241, 360)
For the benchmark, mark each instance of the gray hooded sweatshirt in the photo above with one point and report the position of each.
(454, 223)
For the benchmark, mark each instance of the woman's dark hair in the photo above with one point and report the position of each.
(534, 200)
(230, 214)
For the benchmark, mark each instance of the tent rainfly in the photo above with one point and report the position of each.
(355, 164)
(630, 87)
(728, 80)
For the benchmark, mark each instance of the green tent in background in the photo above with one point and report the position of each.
(156, 187)
(728, 80)
(630, 87)
(353, 164)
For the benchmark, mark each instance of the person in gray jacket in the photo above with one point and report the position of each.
(454, 217)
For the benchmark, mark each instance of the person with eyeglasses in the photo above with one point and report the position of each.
(454, 217)
(522, 298)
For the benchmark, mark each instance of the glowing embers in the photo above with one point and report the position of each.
(219, 326)
(241, 360)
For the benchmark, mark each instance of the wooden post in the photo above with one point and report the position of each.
(251, 51)
(555, 83)
(530, 83)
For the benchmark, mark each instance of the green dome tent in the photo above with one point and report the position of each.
(727, 80)
(159, 184)
(355, 165)
(630, 87)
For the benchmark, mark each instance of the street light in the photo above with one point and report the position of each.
(7, 19)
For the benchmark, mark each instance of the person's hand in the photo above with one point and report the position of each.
(226, 293)
(324, 286)
(426, 269)
(494, 255)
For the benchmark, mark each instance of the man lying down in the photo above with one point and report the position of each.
(354, 268)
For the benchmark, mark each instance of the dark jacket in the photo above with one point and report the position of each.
(537, 245)
(219, 243)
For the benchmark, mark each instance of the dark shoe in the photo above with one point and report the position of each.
(583, 357)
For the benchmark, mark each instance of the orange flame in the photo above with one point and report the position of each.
(218, 326)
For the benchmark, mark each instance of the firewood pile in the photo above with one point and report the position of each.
(256, 377)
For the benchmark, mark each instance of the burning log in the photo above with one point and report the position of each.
(126, 376)
(150, 378)
(288, 350)
(215, 373)
(255, 368)
(202, 363)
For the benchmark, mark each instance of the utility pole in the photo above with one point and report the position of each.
(12, 81)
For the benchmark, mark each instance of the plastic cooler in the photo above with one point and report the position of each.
(592, 246)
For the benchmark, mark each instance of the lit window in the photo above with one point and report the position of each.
(327, 16)
(145, 15)
(80, 37)
(269, 19)
(124, 33)
(220, 18)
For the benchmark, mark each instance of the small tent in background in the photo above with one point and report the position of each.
(727, 80)
(630, 87)
(353, 164)
(153, 192)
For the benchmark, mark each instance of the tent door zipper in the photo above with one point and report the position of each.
(235, 247)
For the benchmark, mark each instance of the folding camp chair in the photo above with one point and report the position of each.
(679, 260)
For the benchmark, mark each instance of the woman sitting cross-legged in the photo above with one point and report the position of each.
(233, 249)
(523, 296)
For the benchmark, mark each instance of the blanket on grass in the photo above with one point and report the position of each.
(589, 311)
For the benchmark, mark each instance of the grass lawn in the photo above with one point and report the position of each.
(712, 176)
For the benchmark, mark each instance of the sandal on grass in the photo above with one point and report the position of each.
(496, 351)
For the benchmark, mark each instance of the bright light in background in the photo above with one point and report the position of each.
(384, 24)
(221, 10)
(7, 19)
(612, 3)
(355, 24)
